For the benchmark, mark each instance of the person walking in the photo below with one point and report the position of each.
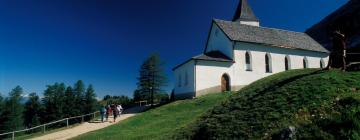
(115, 112)
(108, 112)
(102, 113)
(120, 109)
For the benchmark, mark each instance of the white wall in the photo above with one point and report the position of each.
(258, 52)
(218, 41)
(209, 73)
(185, 86)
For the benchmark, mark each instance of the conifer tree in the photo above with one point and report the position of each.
(70, 102)
(152, 78)
(2, 118)
(79, 92)
(13, 111)
(90, 100)
(53, 100)
(33, 108)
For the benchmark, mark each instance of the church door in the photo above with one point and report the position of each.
(225, 83)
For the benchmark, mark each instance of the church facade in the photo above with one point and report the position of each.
(240, 51)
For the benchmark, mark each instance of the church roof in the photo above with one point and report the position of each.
(213, 56)
(269, 36)
(209, 56)
(244, 12)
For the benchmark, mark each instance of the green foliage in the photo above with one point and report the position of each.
(158, 123)
(2, 115)
(69, 110)
(125, 101)
(91, 103)
(13, 111)
(151, 79)
(319, 104)
(33, 111)
(54, 102)
(79, 92)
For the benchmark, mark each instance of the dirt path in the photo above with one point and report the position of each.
(88, 127)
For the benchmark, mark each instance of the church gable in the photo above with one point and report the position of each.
(218, 41)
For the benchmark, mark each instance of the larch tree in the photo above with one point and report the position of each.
(13, 111)
(90, 100)
(33, 109)
(152, 77)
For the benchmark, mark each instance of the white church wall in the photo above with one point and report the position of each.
(277, 54)
(218, 41)
(184, 76)
(208, 76)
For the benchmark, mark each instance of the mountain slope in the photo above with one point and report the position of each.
(316, 104)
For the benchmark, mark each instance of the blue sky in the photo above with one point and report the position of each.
(103, 42)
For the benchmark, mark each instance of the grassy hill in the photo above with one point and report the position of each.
(318, 104)
(158, 123)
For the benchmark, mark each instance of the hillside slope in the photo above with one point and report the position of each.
(314, 104)
(158, 123)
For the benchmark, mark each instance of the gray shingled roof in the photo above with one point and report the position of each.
(244, 12)
(274, 37)
(213, 56)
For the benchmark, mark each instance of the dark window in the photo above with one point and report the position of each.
(267, 63)
(304, 63)
(248, 61)
(286, 63)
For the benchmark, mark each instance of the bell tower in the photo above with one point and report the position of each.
(245, 15)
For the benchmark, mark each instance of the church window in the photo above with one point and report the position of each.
(305, 63)
(248, 61)
(322, 63)
(268, 63)
(287, 63)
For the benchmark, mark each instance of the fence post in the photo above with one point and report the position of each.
(82, 119)
(67, 122)
(13, 136)
(44, 128)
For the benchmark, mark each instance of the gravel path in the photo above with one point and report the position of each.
(88, 127)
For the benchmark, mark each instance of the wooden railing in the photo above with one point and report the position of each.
(43, 126)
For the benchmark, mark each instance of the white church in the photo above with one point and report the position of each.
(240, 51)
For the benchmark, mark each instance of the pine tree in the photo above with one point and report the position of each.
(79, 92)
(13, 112)
(2, 115)
(152, 78)
(54, 97)
(32, 112)
(90, 100)
(69, 102)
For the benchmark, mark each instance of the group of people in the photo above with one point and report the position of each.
(110, 110)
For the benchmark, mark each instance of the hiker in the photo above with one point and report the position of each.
(102, 113)
(115, 111)
(338, 53)
(119, 108)
(108, 112)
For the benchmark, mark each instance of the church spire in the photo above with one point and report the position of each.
(245, 15)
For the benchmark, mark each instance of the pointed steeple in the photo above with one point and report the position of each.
(244, 13)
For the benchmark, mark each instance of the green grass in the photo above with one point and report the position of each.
(158, 123)
(319, 104)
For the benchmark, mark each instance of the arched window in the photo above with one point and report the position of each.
(322, 63)
(305, 63)
(186, 78)
(286, 63)
(268, 68)
(248, 62)
(225, 83)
